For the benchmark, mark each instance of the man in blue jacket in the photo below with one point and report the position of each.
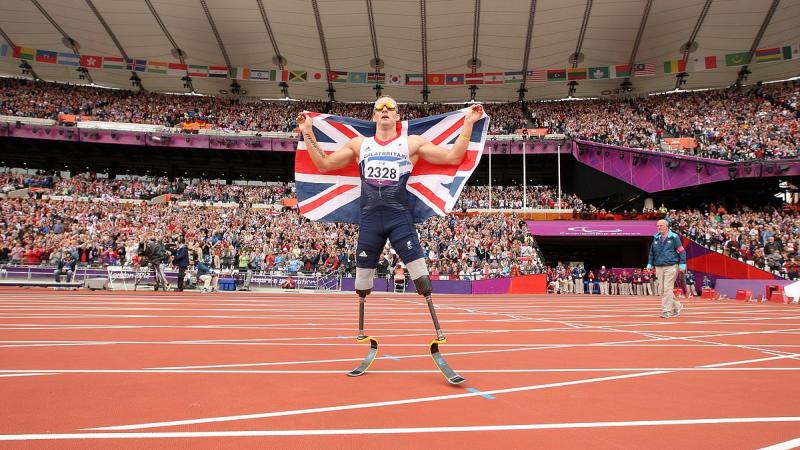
(668, 256)
(181, 260)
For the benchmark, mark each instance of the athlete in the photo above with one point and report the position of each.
(385, 162)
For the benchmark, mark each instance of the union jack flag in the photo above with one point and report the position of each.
(334, 196)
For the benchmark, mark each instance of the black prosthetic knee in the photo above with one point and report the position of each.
(423, 285)
(363, 292)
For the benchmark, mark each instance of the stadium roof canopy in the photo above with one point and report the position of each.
(432, 37)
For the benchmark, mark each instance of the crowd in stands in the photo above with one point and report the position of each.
(734, 124)
(510, 197)
(768, 239)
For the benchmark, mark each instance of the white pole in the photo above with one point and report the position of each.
(490, 178)
(524, 182)
(559, 178)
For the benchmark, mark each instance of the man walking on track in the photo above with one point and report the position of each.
(385, 162)
(668, 256)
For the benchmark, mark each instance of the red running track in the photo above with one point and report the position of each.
(251, 370)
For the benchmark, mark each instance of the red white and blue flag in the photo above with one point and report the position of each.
(334, 196)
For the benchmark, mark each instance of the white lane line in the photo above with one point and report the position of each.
(368, 405)
(794, 443)
(389, 431)
(27, 374)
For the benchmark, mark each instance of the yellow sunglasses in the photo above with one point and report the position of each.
(391, 106)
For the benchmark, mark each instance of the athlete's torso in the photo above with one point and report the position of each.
(384, 168)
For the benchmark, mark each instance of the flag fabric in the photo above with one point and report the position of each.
(3, 50)
(357, 77)
(576, 74)
(642, 70)
(197, 71)
(674, 66)
(376, 78)
(218, 71)
(737, 59)
(493, 78)
(513, 77)
(395, 79)
(414, 79)
(454, 78)
(317, 77)
(708, 62)
(791, 51)
(113, 62)
(92, 62)
(536, 76)
(255, 74)
(622, 71)
(69, 59)
(337, 76)
(157, 67)
(334, 196)
(44, 56)
(598, 73)
(473, 78)
(25, 53)
(177, 69)
(769, 54)
(556, 75)
(435, 79)
(298, 76)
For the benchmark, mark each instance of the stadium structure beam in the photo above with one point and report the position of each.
(324, 46)
(176, 51)
(474, 62)
(635, 50)
(687, 47)
(213, 25)
(577, 57)
(67, 40)
(377, 62)
(11, 43)
(114, 39)
(743, 72)
(277, 59)
(424, 38)
(527, 52)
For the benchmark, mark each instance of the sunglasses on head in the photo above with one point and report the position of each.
(391, 106)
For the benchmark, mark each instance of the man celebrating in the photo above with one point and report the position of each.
(385, 163)
(668, 256)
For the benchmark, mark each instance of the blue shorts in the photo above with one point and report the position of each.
(376, 227)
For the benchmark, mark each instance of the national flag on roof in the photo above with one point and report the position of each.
(357, 77)
(414, 79)
(737, 59)
(622, 71)
(674, 66)
(473, 78)
(92, 62)
(177, 69)
(197, 71)
(598, 73)
(791, 51)
(493, 78)
(25, 53)
(45, 56)
(556, 75)
(536, 76)
(334, 196)
(218, 71)
(454, 78)
(317, 77)
(298, 76)
(255, 74)
(436, 79)
(395, 79)
(113, 62)
(769, 54)
(708, 62)
(576, 73)
(644, 69)
(136, 65)
(513, 77)
(157, 67)
(376, 78)
(69, 59)
(337, 76)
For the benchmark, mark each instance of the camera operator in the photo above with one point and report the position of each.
(157, 254)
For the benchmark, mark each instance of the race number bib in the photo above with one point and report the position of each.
(382, 170)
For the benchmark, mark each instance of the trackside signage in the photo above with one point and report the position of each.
(590, 228)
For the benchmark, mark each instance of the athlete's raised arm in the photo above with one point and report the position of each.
(327, 162)
(438, 155)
